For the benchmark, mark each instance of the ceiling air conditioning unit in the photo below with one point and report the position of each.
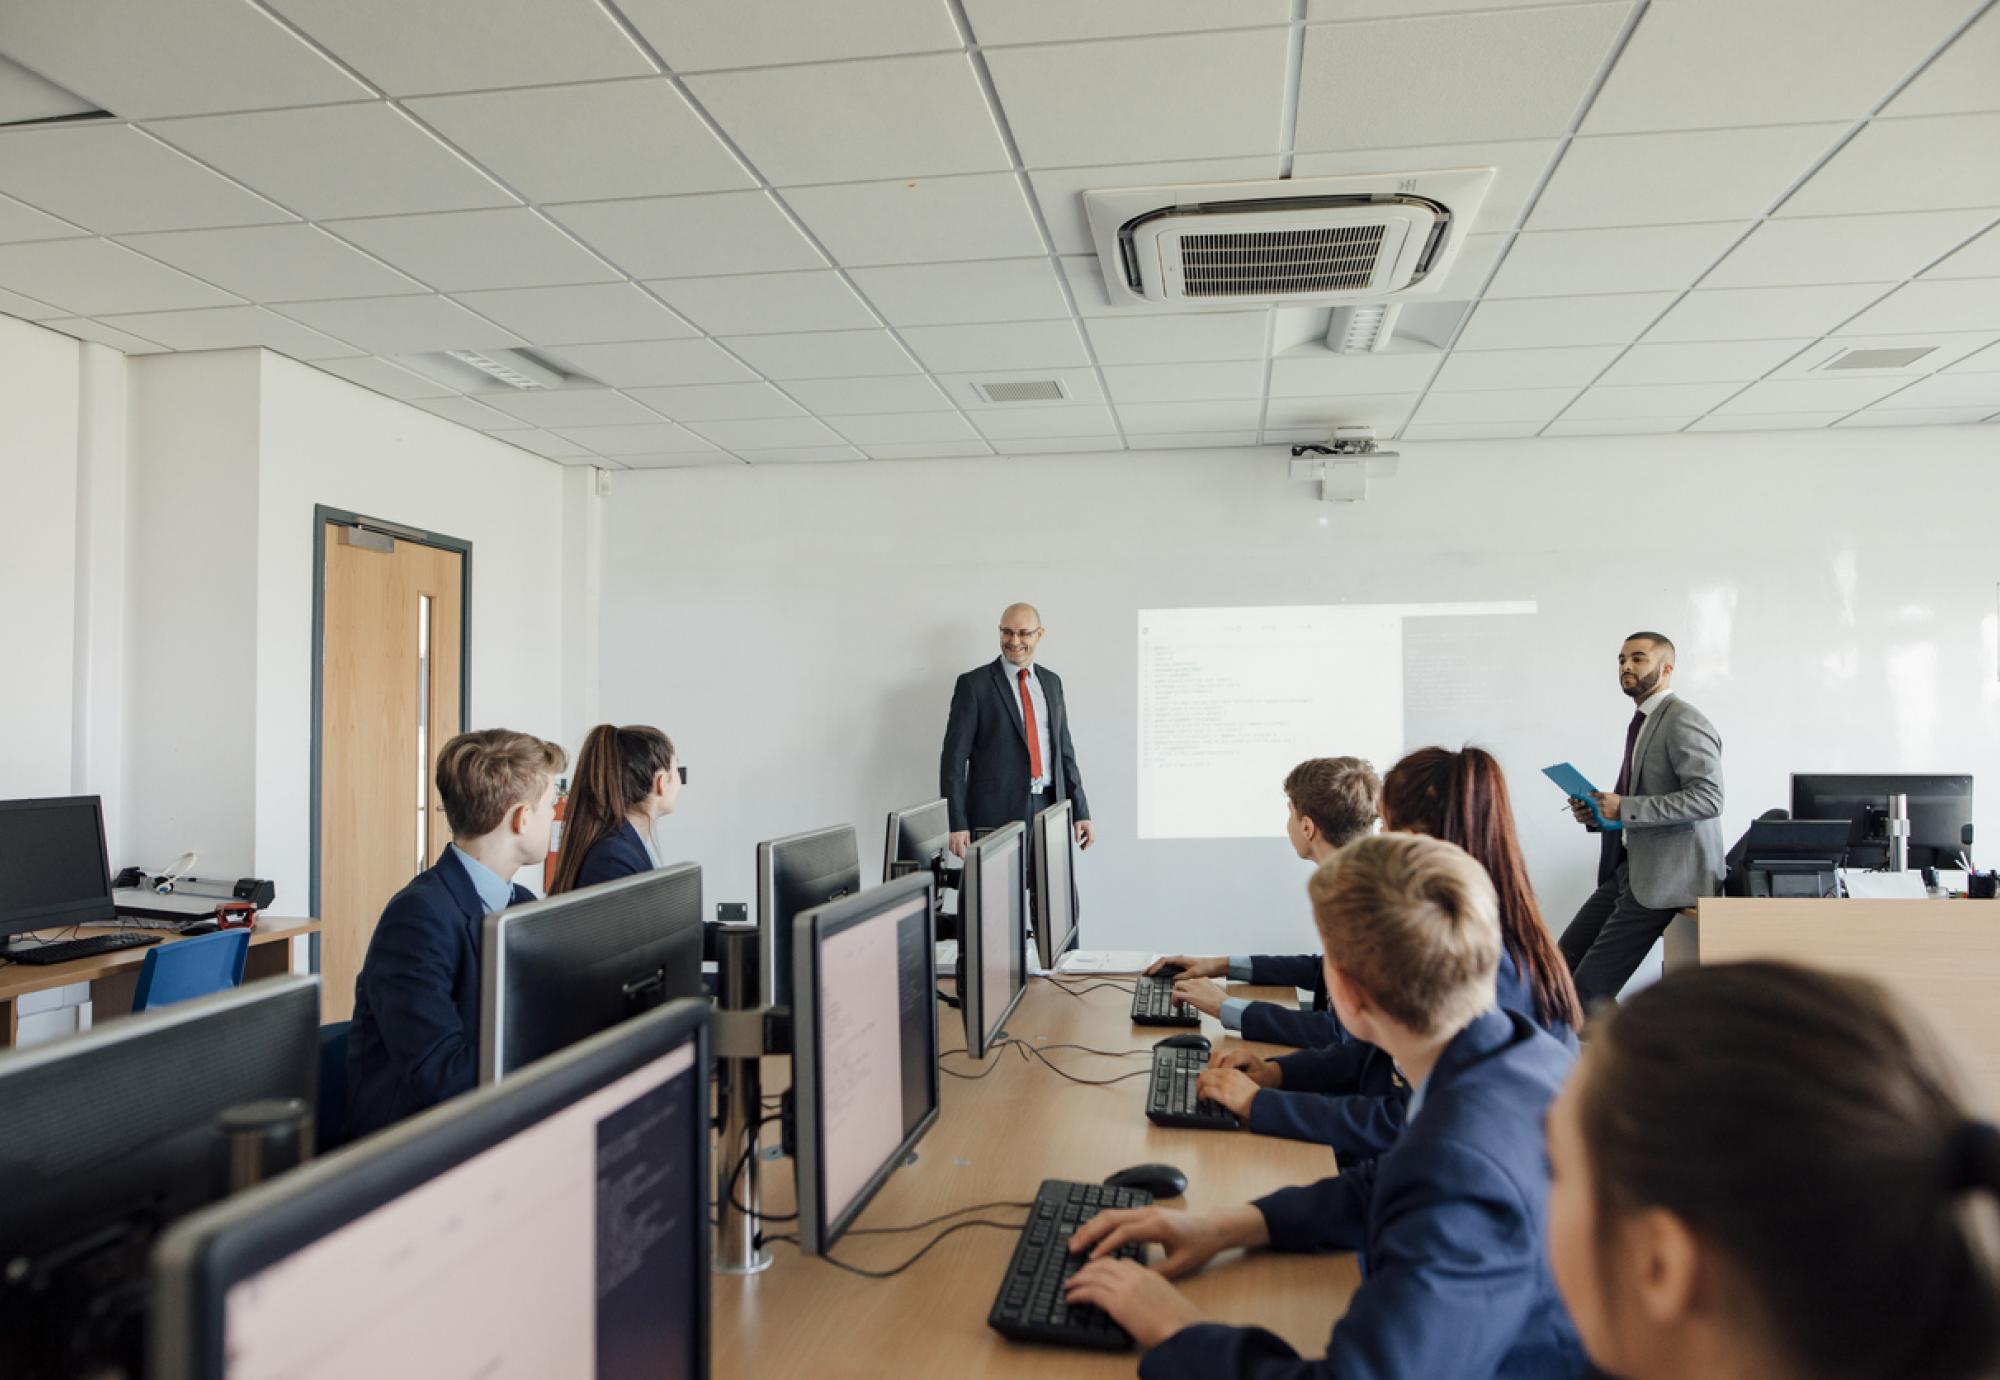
(1377, 237)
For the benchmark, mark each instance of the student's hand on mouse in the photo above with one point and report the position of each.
(1191, 967)
(1265, 1073)
(1142, 1302)
(1232, 1088)
(1191, 1239)
(958, 841)
(1203, 995)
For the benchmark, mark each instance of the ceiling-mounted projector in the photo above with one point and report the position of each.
(1344, 464)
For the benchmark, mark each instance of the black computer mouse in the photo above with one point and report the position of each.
(200, 927)
(1169, 972)
(1160, 1180)
(1199, 1042)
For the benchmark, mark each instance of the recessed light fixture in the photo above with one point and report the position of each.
(514, 369)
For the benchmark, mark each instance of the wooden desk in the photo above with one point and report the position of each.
(113, 977)
(996, 1139)
(1941, 956)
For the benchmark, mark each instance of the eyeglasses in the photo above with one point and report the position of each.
(683, 773)
(1023, 634)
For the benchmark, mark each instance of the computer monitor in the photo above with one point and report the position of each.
(993, 941)
(864, 1048)
(1940, 813)
(107, 1137)
(553, 972)
(54, 870)
(553, 1225)
(795, 874)
(917, 839)
(1055, 891)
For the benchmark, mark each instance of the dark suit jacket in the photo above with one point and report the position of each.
(614, 856)
(1449, 1225)
(983, 772)
(415, 1037)
(1278, 1024)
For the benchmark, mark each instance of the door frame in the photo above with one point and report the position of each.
(323, 518)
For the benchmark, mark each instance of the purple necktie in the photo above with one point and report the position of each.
(1625, 763)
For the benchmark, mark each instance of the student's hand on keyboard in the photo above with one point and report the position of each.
(1230, 1088)
(1203, 995)
(1191, 967)
(1191, 1239)
(1140, 1301)
(1265, 1073)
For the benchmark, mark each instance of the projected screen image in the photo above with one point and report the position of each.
(1230, 700)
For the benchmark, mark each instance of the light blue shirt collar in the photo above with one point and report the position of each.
(646, 842)
(1416, 1102)
(495, 891)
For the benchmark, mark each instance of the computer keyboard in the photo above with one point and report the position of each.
(1170, 1097)
(1030, 1306)
(1153, 1004)
(86, 947)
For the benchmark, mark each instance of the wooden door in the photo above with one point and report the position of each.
(390, 676)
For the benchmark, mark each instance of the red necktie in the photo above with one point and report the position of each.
(1028, 724)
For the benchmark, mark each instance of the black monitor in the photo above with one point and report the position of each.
(552, 1225)
(105, 1139)
(793, 875)
(1940, 814)
(553, 972)
(917, 839)
(54, 870)
(1055, 885)
(864, 1048)
(1796, 858)
(992, 947)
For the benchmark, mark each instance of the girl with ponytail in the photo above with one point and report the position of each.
(1765, 1170)
(626, 778)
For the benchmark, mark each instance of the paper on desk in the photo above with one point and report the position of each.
(1105, 961)
(1573, 783)
(1883, 886)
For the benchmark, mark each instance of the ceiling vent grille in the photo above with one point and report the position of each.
(1022, 390)
(1879, 359)
(1280, 263)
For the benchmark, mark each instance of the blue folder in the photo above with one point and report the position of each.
(1573, 783)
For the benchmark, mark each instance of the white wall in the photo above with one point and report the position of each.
(796, 629)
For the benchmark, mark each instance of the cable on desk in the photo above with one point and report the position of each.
(933, 1221)
(729, 1188)
(924, 1251)
(1030, 1051)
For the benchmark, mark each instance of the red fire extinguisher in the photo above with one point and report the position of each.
(555, 837)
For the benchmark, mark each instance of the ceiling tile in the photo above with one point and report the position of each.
(1322, 11)
(653, 438)
(1025, 423)
(589, 313)
(98, 333)
(469, 45)
(1961, 79)
(928, 450)
(1963, 304)
(1157, 418)
(551, 144)
(19, 222)
(1612, 319)
(1734, 361)
(1159, 383)
(1495, 405)
(1884, 415)
(547, 444)
(564, 408)
(764, 303)
(879, 428)
(1985, 361)
(1469, 431)
(1078, 385)
(401, 325)
(1552, 263)
(27, 308)
(689, 236)
(716, 402)
(1980, 259)
(1615, 426)
(696, 35)
(380, 376)
(1351, 409)
(1179, 339)
(1059, 191)
(25, 96)
(947, 294)
(1567, 366)
(824, 355)
(1684, 400)
(1315, 371)
(1664, 179)
(655, 363)
(1513, 74)
(1008, 345)
(1948, 390)
(798, 455)
(1055, 21)
(769, 434)
(276, 263)
(861, 396)
(1518, 165)
(92, 277)
(1105, 444)
(1893, 165)
(852, 121)
(707, 460)
(227, 328)
(467, 412)
(1809, 395)
(1768, 421)
(920, 220)
(186, 57)
(1843, 249)
(1192, 440)
(112, 179)
(460, 251)
(1128, 101)
(348, 160)
(1762, 313)
(1709, 63)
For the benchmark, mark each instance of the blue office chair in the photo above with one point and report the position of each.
(330, 1118)
(191, 968)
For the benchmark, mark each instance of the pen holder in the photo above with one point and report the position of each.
(1982, 886)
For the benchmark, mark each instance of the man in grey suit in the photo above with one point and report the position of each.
(1668, 851)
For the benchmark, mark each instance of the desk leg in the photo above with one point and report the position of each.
(10, 1023)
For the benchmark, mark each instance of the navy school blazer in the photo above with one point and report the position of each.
(616, 855)
(1449, 1224)
(1278, 1024)
(414, 1040)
